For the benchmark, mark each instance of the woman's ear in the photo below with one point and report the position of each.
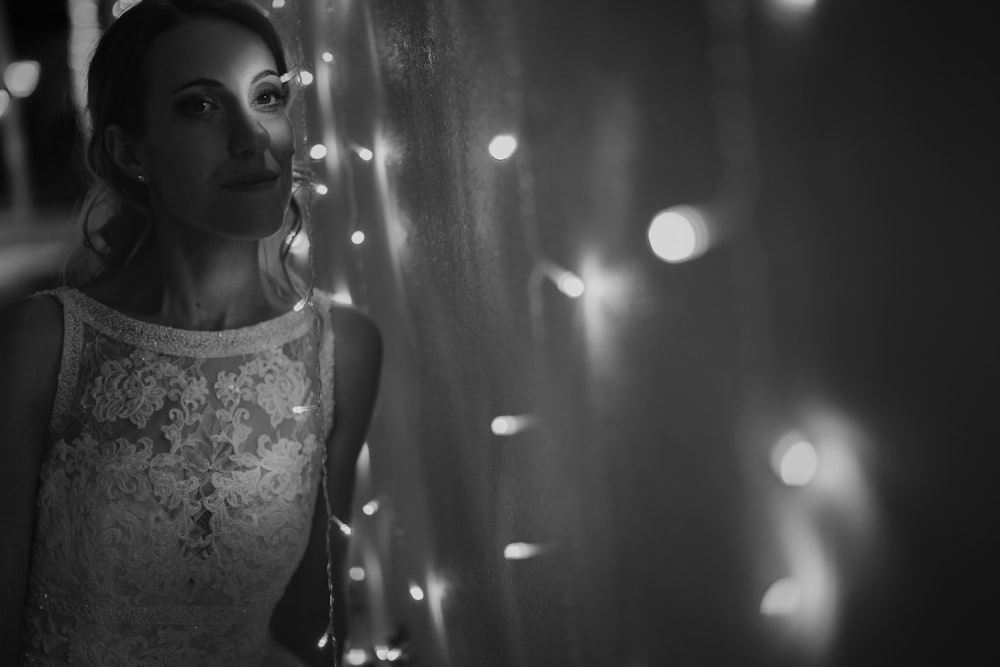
(125, 153)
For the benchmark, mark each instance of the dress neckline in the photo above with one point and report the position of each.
(248, 339)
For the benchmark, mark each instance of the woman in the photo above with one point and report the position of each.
(168, 423)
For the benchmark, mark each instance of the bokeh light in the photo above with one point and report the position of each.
(356, 656)
(416, 592)
(795, 460)
(321, 189)
(357, 573)
(358, 237)
(570, 285)
(327, 57)
(782, 598)
(678, 234)
(21, 77)
(522, 550)
(370, 507)
(502, 146)
(318, 152)
(364, 153)
(510, 424)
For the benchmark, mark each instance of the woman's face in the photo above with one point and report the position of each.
(217, 150)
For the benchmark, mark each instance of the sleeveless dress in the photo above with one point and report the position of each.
(176, 495)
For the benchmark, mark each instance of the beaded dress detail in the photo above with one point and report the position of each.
(176, 495)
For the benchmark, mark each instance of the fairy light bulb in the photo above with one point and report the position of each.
(21, 77)
(799, 464)
(278, 4)
(358, 237)
(794, 460)
(318, 152)
(522, 550)
(321, 189)
(782, 598)
(356, 656)
(370, 507)
(357, 573)
(510, 424)
(570, 285)
(305, 77)
(416, 592)
(364, 153)
(502, 146)
(327, 57)
(678, 234)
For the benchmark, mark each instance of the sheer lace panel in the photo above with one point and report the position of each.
(176, 497)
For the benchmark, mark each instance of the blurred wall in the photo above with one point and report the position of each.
(828, 306)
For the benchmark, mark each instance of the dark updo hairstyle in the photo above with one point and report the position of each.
(115, 213)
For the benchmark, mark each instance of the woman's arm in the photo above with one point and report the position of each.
(31, 334)
(302, 615)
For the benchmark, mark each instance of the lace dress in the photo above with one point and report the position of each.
(176, 495)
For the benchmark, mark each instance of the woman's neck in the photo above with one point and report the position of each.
(210, 285)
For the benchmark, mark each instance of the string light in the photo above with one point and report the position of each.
(356, 656)
(364, 153)
(357, 573)
(523, 550)
(344, 528)
(795, 461)
(21, 77)
(370, 507)
(318, 152)
(502, 146)
(782, 598)
(327, 57)
(416, 592)
(511, 424)
(321, 189)
(358, 237)
(393, 654)
(678, 234)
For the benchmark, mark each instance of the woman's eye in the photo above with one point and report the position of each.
(271, 98)
(197, 106)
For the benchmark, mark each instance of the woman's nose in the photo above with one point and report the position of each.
(248, 136)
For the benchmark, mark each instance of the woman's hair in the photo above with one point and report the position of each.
(115, 212)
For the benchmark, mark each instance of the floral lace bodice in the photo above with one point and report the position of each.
(176, 497)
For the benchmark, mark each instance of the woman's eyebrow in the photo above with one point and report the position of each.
(214, 83)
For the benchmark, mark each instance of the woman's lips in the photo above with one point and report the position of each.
(252, 183)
